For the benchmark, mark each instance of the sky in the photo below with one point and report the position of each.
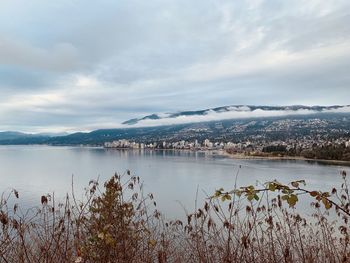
(79, 65)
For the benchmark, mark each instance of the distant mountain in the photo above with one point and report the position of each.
(52, 134)
(11, 135)
(229, 123)
(15, 136)
(233, 112)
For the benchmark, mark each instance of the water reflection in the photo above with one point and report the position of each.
(173, 176)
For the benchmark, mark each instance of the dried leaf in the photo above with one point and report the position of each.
(314, 193)
(43, 200)
(295, 184)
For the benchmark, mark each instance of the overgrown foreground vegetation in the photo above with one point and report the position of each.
(118, 223)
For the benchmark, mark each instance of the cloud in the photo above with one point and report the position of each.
(83, 64)
(61, 57)
(241, 112)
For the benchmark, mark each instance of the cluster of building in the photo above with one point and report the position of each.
(246, 146)
(181, 145)
(125, 144)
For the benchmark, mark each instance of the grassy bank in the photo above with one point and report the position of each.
(117, 222)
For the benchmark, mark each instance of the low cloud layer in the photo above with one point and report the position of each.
(82, 65)
(233, 113)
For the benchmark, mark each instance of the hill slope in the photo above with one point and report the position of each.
(232, 112)
(330, 125)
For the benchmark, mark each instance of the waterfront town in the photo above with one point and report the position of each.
(241, 147)
(312, 138)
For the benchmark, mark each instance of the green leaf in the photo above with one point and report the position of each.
(250, 197)
(292, 200)
(326, 203)
(285, 197)
(272, 187)
(326, 194)
(217, 193)
(284, 191)
(238, 193)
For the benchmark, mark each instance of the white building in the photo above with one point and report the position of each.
(347, 144)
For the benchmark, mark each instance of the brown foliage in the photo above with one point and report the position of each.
(119, 224)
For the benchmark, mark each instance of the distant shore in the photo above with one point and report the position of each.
(286, 158)
(223, 153)
(243, 156)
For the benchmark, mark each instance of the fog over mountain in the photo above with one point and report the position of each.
(231, 112)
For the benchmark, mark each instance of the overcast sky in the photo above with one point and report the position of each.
(73, 65)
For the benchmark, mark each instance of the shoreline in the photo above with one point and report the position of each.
(240, 156)
(237, 156)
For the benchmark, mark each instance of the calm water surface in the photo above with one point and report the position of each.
(173, 176)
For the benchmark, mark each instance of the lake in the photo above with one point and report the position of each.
(172, 176)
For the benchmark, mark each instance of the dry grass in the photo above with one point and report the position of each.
(118, 223)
